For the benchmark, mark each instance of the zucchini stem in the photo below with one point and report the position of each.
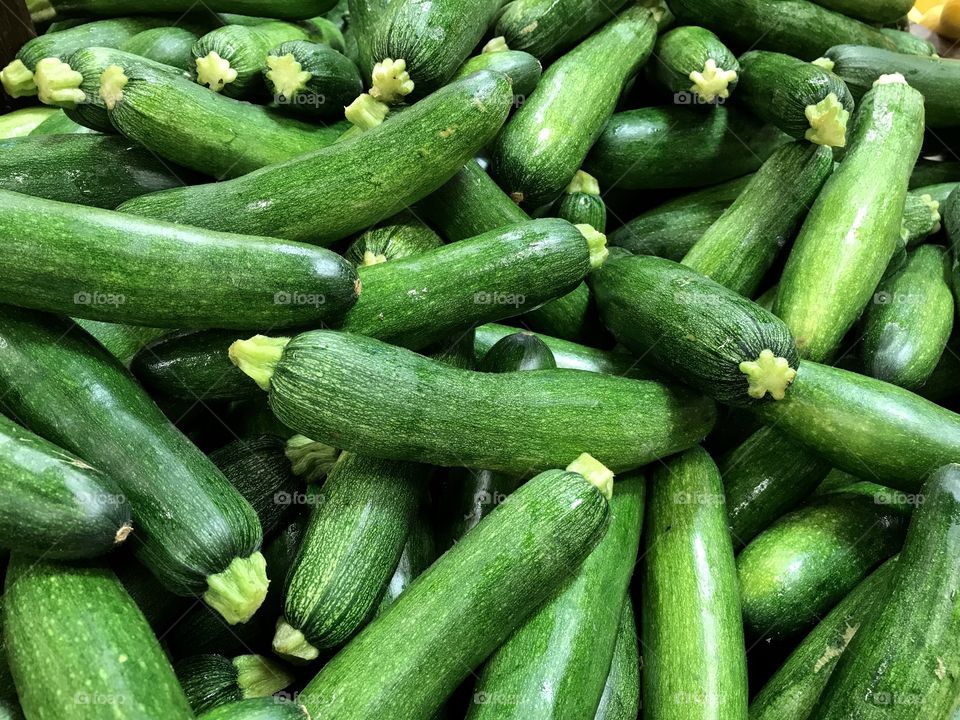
(828, 122)
(286, 75)
(391, 81)
(594, 472)
(712, 82)
(596, 242)
(258, 676)
(891, 79)
(583, 182)
(238, 591)
(122, 533)
(935, 217)
(366, 112)
(258, 357)
(112, 83)
(370, 258)
(309, 458)
(17, 80)
(768, 374)
(215, 72)
(58, 83)
(825, 63)
(41, 10)
(498, 44)
(290, 644)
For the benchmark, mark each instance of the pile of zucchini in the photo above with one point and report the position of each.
(479, 359)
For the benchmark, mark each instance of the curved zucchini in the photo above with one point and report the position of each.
(61, 384)
(854, 226)
(271, 283)
(523, 69)
(21, 123)
(546, 28)
(264, 708)
(680, 147)
(168, 45)
(581, 204)
(545, 143)
(402, 236)
(694, 655)
(311, 78)
(209, 681)
(870, 11)
(711, 337)
(621, 694)
(58, 124)
(742, 245)
(693, 61)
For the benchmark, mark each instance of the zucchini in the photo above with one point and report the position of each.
(348, 555)
(870, 11)
(691, 631)
(311, 79)
(571, 317)
(272, 708)
(213, 134)
(899, 661)
(801, 98)
(209, 681)
(853, 228)
(908, 43)
(86, 169)
(271, 283)
(621, 694)
(98, 655)
(691, 61)
(418, 554)
(523, 69)
(363, 16)
(907, 325)
(286, 9)
(469, 601)
(21, 123)
(402, 236)
(742, 245)
(921, 215)
(381, 172)
(516, 352)
(55, 378)
(167, 45)
(546, 28)
(547, 679)
(121, 341)
(680, 147)
(538, 418)
(933, 172)
(797, 569)
(545, 143)
(9, 702)
(711, 337)
(57, 123)
(54, 504)
(581, 203)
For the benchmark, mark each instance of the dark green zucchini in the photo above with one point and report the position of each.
(381, 172)
(570, 317)
(168, 45)
(934, 172)
(680, 147)
(703, 333)
(9, 702)
(272, 708)
(209, 681)
(621, 694)
(160, 607)
(581, 203)
(311, 79)
(908, 43)
(742, 245)
(271, 283)
(402, 236)
(921, 214)
(691, 631)
(519, 351)
(98, 656)
(523, 69)
(121, 341)
(418, 554)
(870, 11)
(546, 28)
(853, 228)
(469, 601)
(363, 15)
(55, 505)
(86, 169)
(693, 64)
(58, 124)
(247, 11)
(23, 122)
(545, 143)
(518, 422)
(65, 387)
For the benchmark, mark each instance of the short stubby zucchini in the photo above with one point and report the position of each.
(581, 203)
(691, 61)
(402, 236)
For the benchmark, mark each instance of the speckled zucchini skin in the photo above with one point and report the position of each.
(108, 33)
(523, 69)
(546, 28)
(168, 45)
(621, 694)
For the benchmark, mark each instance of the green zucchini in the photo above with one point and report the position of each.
(933, 172)
(523, 69)
(907, 325)
(571, 317)
(545, 143)
(870, 11)
(86, 169)
(378, 174)
(801, 98)
(349, 553)
(213, 134)
(908, 43)
(272, 708)
(691, 61)
(581, 203)
(713, 338)
(546, 28)
(121, 341)
(853, 228)
(167, 45)
(680, 147)
(904, 659)
(418, 554)
(742, 245)
(21, 123)
(54, 504)
(469, 601)
(98, 656)
(519, 351)
(247, 11)
(402, 236)
(793, 690)
(324, 30)
(363, 14)
(311, 79)
(56, 380)
(538, 417)
(209, 681)
(621, 694)
(272, 283)
(691, 630)
(921, 215)
(9, 702)
(58, 124)
(546, 679)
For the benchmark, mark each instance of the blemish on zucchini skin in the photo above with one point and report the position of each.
(832, 652)
(449, 132)
(530, 28)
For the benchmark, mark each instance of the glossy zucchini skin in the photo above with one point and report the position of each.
(264, 708)
(295, 199)
(168, 45)
(853, 228)
(546, 28)
(55, 505)
(539, 419)
(286, 9)
(102, 170)
(523, 69)
(742, 245)
(903, 651)
(886, 11)
(582, 203)
(98, 648)
(404, 235)
(677, 146)
(684, 322)
(334, 80)
(908, 43)
(621, 695)
(545, 143)
(691, 631)
(686, 50)
(121, 341)
(486, 586)
(21, 123)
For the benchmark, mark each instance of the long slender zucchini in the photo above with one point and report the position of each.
(545, 143)
(581, 202)
(401, 236)
(311, 78)
(23, 122)
(678, 146)
(98, 655)
(264, 708)
(539, 417)
(376, 175)
(741, 246)
(621, 694)
(870, 11)
(546, 28)
(66, 388)
(168, 45)
(211, 680)
(854, 226)
(101, 170)
(287, 9)
(692, 61)
(523, 69)
(691, 631)
(711, 337)
(487, 585)
(904, 658)
(271, 283)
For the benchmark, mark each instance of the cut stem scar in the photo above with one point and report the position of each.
(17, 80)
(309, 458)
(291, 644)
(825, 63)
(286, 75)
(366, 112)
(498, 44)
(112, 83)
(391, 81)
(215, 72)
(712, 82)
(583, 182)
(238, 591)
(58, 84)
(596, 243)
(768, 374)
(258, 357)
(594, 472)
(258, 676)
(828, 122)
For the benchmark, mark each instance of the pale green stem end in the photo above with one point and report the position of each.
(258, 676)
(58, 84)
(891, 79)
(935, 217)
(366, 113)
(768, 374)
(310, 458)
(828, 122)
(596, 242)
(825, 63)
(391, 81)
(583, 182)
(17, 80)
(498, 44)
(371, 258)
(712, 82)
(112, 83)
(41, 10)
(594, 472)
(238, 591)
(290, 644)
(215, 72)
(286, 75)
(258, 357)
(658, 8)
